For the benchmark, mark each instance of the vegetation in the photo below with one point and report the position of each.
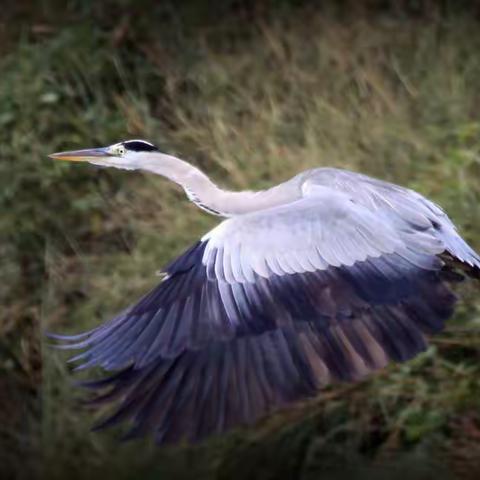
(252, 95)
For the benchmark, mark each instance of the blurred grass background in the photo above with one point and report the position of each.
(253, 92)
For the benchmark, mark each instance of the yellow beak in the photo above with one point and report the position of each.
(81, 155)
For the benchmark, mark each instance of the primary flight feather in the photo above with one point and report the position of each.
(326, 277)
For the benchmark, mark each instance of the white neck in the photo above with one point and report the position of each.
(208, 196)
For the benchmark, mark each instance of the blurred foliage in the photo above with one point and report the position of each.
(253, 92)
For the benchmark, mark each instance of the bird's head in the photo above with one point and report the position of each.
(127, 155)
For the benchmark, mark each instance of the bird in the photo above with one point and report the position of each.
(322, 279)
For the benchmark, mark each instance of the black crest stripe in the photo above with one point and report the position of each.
(139, 146)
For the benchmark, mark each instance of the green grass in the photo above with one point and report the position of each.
(252, 103)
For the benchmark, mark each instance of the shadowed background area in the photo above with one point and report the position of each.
(252, 92)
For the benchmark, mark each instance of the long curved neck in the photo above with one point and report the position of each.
(208, 196)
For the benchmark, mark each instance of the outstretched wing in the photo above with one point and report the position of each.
(266, 309)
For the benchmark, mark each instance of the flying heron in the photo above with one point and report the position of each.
(323, 278)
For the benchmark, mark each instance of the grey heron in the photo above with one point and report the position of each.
(324, 278)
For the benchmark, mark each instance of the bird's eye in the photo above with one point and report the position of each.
(120, 150)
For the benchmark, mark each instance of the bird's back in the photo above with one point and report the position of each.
(405, 209)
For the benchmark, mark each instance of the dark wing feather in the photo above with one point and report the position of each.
(225, 384)
(285, 337)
